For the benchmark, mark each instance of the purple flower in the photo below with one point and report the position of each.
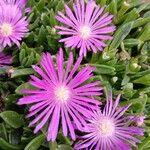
(13, 25)
(86, 27)
(62, 94)
(5, 59)
(138, 120)
(20, 3)
(109, 129)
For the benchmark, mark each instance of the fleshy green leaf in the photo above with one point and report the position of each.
(120, 35)
(104, 69)
(22, 72)
(35, 143)
(4, 145)
(12, 118)
(143, 80)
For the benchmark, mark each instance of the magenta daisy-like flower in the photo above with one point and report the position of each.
(138, 120)
(85, 27)
(62, 94)
(5, 59)
(20, 3)
(110, 130)
(13, 25)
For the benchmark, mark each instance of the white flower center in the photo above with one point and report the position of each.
(62, 93)
(6, 29)
(106, 127)
(85, 31)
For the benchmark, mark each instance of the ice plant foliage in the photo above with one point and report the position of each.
(62, 95)
(13, 25)
(109, 129)
(85, 27)
(5, 59)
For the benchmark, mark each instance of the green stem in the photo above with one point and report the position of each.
(52, 145)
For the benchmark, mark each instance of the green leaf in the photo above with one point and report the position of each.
(23, 86)
(138, 104)
(52, 18)
(140, 22)
(132, 15)
(120, 35)
(120, 14)
(3, 131)
(132, 42)
(140, 74)
(35, 143)
(142, 7)
(45, 19)
(102, 2)
(22, 54)
(22, 72)
(41, 36)
(60, 5)
(64, 147)
(145, 34)
(113, 7)
(31, 2)
(143, 80)
(2, 70)
(30, 60)
(34, 24)
(52, 145)
(104, 69)
(4, 145)
(12, 118)
(40, 5)
(145, 143)
(125, 80)
(147, 14)
(128, 90)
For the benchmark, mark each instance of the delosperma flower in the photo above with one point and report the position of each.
(138, 120)
(85, 27)
(20, 3)
(109, 129)
(13, 25)
(5, 59)
(62, 95)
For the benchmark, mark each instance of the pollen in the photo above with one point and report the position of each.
(6, 29)
(62, 93)
(85, 32)
(106, 127)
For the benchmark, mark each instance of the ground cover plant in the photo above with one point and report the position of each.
(74, 74)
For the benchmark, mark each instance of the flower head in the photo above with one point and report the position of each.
(110, 130)
(13, 25)
(138, 120)
(62, 94)
(19, 3)
(5, 59)
(86, 27)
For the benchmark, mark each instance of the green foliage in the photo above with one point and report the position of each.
(35, 143)
(12, 118)
(123, 67)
